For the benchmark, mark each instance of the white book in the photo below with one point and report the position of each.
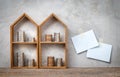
(21, 36)
(84, 41)
(20, 59)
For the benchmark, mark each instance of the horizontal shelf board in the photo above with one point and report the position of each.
(24, 42)
(53, 42)
(53, 67)
(24, 67)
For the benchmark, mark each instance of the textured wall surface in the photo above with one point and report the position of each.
(103, 16)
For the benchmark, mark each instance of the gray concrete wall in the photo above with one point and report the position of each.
(103, 16)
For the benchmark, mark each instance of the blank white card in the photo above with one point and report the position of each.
(84, 41)
(102, 52)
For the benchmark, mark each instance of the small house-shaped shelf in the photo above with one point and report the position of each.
(24, 42)
(56, 49)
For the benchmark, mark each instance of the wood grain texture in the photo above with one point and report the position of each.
(70, 72)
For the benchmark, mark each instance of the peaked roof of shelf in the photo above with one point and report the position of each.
(50, 16)
(24, 15)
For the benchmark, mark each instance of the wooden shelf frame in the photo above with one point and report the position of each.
(61, 43)
(38, 43)
(12, 43)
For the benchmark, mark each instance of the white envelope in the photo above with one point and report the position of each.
(102, 52)
(84, 41)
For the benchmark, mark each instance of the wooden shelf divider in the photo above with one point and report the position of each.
(53, 67)
(25, 67)
(24, 42)
(53, 42)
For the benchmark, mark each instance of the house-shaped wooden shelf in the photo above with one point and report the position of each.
(52, 24)
(24, 42)
(29, 49)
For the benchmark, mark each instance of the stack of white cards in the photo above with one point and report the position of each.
(87, 42)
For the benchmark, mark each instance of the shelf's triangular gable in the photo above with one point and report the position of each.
(24, 15)
(54, 16)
